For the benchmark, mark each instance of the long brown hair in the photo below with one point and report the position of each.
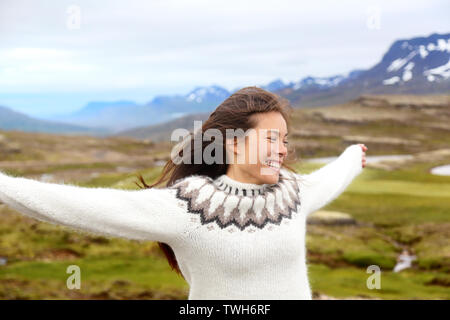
(233, 113)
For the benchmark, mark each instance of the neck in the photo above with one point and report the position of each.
(242, 176)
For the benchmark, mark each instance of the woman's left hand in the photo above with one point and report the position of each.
(364, 148)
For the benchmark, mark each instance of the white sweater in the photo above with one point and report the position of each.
(231, 240)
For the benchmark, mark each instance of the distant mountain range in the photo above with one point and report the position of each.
(162, 131)
(13, 120)
(122, 115)
(419, 65)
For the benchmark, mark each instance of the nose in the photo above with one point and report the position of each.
(282, 152)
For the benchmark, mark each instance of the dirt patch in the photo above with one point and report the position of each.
(13, 282)
(330, 260)
(58, 255)
(442, 282)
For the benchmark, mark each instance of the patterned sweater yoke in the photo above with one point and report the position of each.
(227, 202)
(232, 240)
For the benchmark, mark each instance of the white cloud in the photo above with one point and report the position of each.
(165, 45)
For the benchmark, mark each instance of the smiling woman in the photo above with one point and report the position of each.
(268, 142)
(232, 230)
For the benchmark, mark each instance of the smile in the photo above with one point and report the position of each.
(273, 164)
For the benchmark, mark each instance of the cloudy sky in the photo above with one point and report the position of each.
(55, 56)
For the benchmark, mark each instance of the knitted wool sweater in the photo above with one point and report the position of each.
(232, 240)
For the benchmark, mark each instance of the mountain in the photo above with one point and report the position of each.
(200, 99)
(122, 115)
(93, 108)
(114, 115)
(162, 131)
(418, 65)
(275, 85)
(13, 120)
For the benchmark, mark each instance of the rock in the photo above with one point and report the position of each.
(330, 218)
(3, 261)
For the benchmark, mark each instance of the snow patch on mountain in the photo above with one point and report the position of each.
(398, 63)
(422, 51)
(407, 74)
(442, 45)
(323, 82)
(391, 81)
(443, 71)
(201, 94)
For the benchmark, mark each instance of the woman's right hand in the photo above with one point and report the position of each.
(364, 148)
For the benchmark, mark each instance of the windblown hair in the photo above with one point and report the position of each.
(233, 113)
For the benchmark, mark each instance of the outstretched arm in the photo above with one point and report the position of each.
(147, 214)
(322, 186)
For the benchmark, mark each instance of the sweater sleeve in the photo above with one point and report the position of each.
(322, 186)
(147, 214)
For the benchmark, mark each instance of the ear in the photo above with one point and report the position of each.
(231, 145)
(232, 150)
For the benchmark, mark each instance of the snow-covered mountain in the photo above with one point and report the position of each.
(201, 94)
(418, 65)
(418, 59)
(305, 83)
(415, 60)
(198, 100)
(320, 82)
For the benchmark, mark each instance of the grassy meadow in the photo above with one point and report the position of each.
(397, 205)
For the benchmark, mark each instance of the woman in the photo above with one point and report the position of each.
(234, 229)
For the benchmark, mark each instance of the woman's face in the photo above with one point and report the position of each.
(260, 157)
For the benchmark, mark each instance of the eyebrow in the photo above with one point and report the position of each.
(276, 131)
